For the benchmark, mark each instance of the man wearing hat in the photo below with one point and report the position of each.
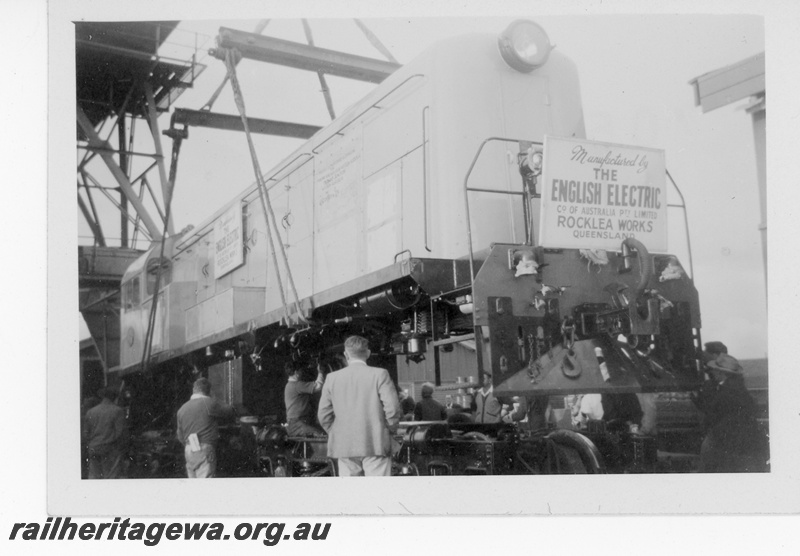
(715, 348)
(729, 418)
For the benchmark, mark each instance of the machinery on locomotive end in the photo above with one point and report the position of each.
(409, 220)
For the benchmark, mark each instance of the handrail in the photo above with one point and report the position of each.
(195, 235)
(425, 178)
(685, 221)
(467, 189)
(315, 150)
(273, 178)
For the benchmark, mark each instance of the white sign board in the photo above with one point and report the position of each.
(594, 195)
(228, 242)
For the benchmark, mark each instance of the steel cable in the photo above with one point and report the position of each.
(263, 194)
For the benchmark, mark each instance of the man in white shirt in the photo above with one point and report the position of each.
(198, 430)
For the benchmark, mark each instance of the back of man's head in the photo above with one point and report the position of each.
(357, 347)
(202, 386)
(290, 369)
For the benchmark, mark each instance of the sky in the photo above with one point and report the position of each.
(634, 72)
(38, 147)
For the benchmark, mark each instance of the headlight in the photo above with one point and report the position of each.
(534, 159)
(524, 45)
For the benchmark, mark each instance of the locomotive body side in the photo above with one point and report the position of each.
(383, 182)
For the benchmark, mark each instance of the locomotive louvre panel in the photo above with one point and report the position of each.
(394, 131)
(192, 316)
(382, 204)
(223, 311)
(215, 314)
(336, 254)
(206, 317)
(337, 178)
(223, 283)
(338, 230)
(179, 296)
(248, 303)
(183, 272)
(415, 216)
(297, 227)
(299, 255)
(168, 331)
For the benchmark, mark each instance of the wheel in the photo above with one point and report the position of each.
(575, 453)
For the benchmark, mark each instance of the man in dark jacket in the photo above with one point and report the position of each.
(198, 430)
(105, 433)
(624, 410)
(407, 403)
(732, 437)
(429, 409)
(298, 396)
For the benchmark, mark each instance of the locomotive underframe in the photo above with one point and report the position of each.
(521, 342)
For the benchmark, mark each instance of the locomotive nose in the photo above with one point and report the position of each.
(524, 45)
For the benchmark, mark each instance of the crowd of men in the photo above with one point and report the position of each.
(358, 407)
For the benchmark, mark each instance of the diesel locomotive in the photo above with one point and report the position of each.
(422, 219)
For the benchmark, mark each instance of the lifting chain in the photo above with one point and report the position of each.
(534, 367)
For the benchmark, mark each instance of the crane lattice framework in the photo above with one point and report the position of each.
(121, 78)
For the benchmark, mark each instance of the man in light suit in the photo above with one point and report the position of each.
(359, 408)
